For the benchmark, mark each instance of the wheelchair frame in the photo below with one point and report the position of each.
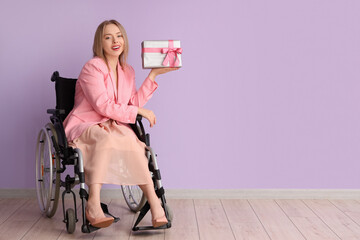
(52, 150)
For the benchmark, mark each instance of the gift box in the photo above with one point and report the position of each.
(159, 54)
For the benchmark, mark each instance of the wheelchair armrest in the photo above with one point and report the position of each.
(56, 112)
(142, 137)
(138, 118)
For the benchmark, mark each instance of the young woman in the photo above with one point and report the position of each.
(106, 101)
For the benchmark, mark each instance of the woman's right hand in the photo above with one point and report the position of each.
(157, 71)
(148, 114)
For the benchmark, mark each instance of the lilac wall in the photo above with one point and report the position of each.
(268, 96)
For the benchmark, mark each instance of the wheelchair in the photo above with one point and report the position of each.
(53, 156)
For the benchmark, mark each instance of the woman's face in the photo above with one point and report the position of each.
(113, 41)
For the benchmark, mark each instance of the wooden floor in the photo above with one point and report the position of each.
(200, 219)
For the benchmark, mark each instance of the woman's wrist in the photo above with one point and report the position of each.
(152, 76)
(139, 111)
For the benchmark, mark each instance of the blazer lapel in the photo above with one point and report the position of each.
(112, 77)
(121, 79)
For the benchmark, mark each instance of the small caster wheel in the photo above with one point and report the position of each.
(70, 220)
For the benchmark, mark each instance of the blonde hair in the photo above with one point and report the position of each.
(98, 50)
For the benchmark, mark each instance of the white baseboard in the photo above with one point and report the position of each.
(263, 193)
(219, 193)
(17, 193)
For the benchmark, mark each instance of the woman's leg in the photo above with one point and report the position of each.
(93, 204)
(155, 204)
(94, 213)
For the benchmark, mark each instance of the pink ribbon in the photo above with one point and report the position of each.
(171, 57)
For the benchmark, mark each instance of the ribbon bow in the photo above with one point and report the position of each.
(171, 57)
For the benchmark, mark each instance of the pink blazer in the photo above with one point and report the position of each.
(96, 100)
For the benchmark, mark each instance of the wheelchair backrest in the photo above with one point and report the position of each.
(65, 93)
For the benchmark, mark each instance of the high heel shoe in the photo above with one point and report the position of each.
(99, 223)
(158, 222)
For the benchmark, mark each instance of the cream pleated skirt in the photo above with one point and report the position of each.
(113, 154)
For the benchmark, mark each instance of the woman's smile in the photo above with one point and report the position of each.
(116, 47)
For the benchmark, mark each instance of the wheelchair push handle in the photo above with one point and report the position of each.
(54, 76)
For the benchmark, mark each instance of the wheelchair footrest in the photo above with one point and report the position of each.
(145, 209)
(87, 228)
(105, 209)
(168, 225)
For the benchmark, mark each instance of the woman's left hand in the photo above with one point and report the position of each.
(156, 71)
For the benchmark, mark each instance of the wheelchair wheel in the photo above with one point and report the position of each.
(70, 220)
(47, 174)
(134, 197)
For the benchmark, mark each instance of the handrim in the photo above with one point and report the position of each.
(47, 163)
